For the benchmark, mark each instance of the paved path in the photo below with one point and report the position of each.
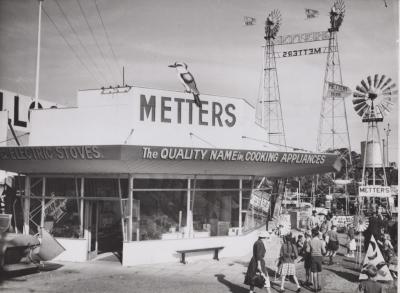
(205, 276)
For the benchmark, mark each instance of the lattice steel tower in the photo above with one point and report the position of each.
(268, 108)
(333, 131)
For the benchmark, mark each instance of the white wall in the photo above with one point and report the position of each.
(164, 251)
(75, 250)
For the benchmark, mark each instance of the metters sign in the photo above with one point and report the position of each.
(177, 110)
(374, 191)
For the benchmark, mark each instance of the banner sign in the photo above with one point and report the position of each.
(173, 153)
(374, 191)
(260, 200)
(343, 221)
(304, 52)
(337, 90)
(49, 153)
(302, 38)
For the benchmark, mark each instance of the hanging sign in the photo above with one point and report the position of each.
(260, 199)
(304, 52)
(337, 90)
(374, 191)
(302, 38)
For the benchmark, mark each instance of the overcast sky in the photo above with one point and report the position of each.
(210, 36)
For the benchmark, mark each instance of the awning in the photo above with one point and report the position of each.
(123, 159)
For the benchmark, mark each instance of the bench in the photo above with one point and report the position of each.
(183, 252)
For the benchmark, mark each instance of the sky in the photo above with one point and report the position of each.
(224, 55)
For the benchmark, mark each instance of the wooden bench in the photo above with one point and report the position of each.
(183, 252)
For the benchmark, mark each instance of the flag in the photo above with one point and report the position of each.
(311, 13)
(374, 256)
(249, 20)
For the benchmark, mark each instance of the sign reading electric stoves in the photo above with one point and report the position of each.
(374, 191)
(173, 153)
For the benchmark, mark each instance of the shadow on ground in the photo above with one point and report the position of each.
(232, 287)
(345, 275)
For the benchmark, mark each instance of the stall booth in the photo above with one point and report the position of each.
(147, 173)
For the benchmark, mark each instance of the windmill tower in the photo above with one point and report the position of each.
(372, 100)
(268, 109)
(333, 129)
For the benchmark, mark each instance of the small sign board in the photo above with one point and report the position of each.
(337, 90)
(260, 199)
(374, 191)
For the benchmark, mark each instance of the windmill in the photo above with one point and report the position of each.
(268, 109)
(372, 101)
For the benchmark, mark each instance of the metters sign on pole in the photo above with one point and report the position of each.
(374, 191)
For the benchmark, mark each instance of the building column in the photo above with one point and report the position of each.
(189, 223)
(27, 204)
(130, 205)
(43, 214)
(81, 207)
(240, 204)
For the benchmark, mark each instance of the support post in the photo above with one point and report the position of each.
(240, 204)
(43, 214)
(188, 212)
(27, 203)
(130, 198)
(81, 209)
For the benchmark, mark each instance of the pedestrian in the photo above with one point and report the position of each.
(332, 241)
(257, 264)
(370, 285)
(388, 250)
(324, 226)
(288, 254)
(351, 241)
(307, 259)
(313, 221)
(300, 242)
(317, 250)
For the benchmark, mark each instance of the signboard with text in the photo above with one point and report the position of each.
(374, 191)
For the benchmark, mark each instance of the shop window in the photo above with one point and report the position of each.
(162, 213)
(215, 213)
(104, 187)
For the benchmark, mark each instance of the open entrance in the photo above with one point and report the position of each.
(104, 230)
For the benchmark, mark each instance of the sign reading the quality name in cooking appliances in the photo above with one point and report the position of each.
(172, 153)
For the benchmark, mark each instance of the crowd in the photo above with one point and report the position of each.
(320, 240)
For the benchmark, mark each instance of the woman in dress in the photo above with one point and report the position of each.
(257, 263)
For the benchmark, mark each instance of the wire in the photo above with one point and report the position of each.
(95, 39)
(12, 138)
(70, 46)
(80, 41)
(106, 34)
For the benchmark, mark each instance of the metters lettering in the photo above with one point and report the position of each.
(181, 111)
(171, 153)
(49, 153)
(302, 52)
(374, 190)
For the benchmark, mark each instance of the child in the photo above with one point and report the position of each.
(300, 242)
(370, 285)
(351, 241)
(387, 248)
(307, 259)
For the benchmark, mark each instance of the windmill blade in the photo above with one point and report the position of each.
(359, 106)
(360, 89)
(385, 107)
(364, 111)
(375, 80)
(364, 85)
(359, 95)
(381, 80)
(358, 101)
(389, 87)
(369, 79)
(381, 110)
(386, 83)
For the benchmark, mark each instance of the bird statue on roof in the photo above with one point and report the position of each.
(187, 80)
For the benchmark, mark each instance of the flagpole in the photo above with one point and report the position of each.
(38, 57)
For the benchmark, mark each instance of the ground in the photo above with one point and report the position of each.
(226, 275)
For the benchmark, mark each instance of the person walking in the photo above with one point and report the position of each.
(351, 241)
(307, 259)
(287, 256)
(370, 285)
(257, 264)
(332, 240)
(313, 221)
(317, 250)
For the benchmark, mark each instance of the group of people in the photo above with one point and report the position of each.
(321, 239)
